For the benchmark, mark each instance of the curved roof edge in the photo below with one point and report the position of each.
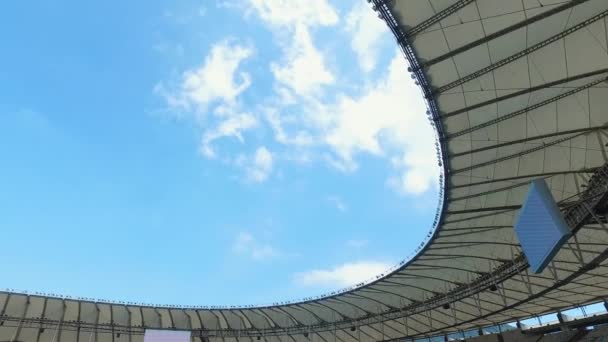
(443, 163)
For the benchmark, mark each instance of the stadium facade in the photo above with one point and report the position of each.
(517, 90)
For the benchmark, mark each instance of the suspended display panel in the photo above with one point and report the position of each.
(540, 227)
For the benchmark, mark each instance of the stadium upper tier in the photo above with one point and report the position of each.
(517, 90)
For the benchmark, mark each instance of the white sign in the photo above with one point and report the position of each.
(166, 336)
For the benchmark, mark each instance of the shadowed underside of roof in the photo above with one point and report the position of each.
(517, 90)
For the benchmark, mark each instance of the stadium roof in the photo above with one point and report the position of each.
(517, 90)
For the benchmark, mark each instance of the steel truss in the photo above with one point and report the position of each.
(438, 17)
(520, 54)
(502, 32)
(527, 109)
(523, 92)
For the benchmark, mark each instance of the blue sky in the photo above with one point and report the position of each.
(198, 152)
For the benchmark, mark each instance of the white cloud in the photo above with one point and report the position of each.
(345, 275)
(303, 69)
(258, 167)
(214, 88)
(387, 120)
(246, 244)
(233, 126)
(215, 80)
(337, 202)
(290, 12)
(419, 170)
(311, 116)
(366, 31)
(262, 163)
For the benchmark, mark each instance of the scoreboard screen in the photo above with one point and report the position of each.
(540, 227)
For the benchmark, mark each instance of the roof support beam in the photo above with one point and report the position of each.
(482, 228)
(339, 300)
(354, 338)
(320, 336)
(222, 318)
(521, 54)
(461, 256)
(301, 308)
(200, 320)
(171, 318)
(244, 319)
(392, 283)
(59, 330)
(438, 17)
(519, 141)
(504, 188)
(426, 267)
(527, 109)
(383, 291)
(369, 298)
(271, 322)
(496, 243)
(519, 154)
(534, 175)
(387, 325)
(477, 216)
(502, 208)
(374, 329)
(18, 330)
(478, 210)
(334, 311)
(295, 321)
(5, 305)
(502, 32)
(242, 326)
(130, 317)
(112, 320)
(523, 92)
(371, 328)
(595, 284)
(42, 317)
(160, 318)
(141, 313)
(420, 276)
